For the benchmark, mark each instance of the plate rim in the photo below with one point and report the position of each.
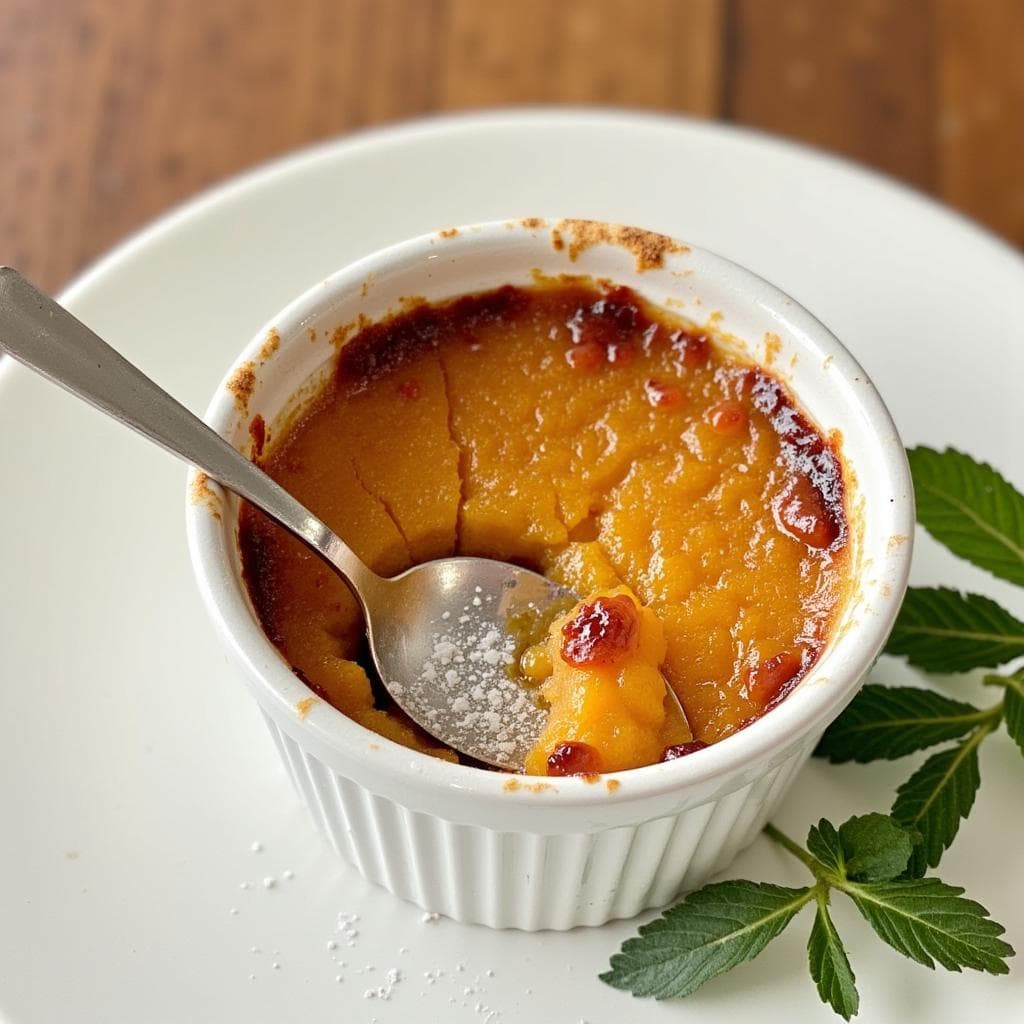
(369, 137)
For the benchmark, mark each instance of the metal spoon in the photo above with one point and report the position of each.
(439, 633)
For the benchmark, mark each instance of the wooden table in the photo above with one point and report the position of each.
(113, 110)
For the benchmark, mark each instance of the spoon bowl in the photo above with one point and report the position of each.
(446, 635)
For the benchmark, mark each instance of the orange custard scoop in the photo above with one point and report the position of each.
(600, 675)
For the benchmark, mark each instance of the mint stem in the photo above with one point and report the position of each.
(995, 712)
(988, 725)
(995, 679)
(794, 848)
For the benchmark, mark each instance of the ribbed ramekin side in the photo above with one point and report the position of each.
(643, 864)
(529, 880)
(736, 819)
(680, 850)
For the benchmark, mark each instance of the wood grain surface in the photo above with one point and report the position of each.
(111, 111)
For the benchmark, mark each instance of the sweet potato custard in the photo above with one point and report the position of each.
(600, 675)
(575, 429)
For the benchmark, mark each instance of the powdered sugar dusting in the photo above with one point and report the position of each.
(385, 991)
(361, 963)
(465, 687)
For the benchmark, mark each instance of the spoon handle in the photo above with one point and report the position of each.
(44, 336)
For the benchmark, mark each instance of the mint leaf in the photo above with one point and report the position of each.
(942, 630)
(875, 848)
(930, 921)
(829, 965)
(936, 797)
(823, 842)
(1013, 706)
(869, 848)
(711, 931)
(970, 508)
(893, 721)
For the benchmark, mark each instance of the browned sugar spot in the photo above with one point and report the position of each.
(613, 784)
(202, 495)
(514, 784)
(896, 541)
(312, 333)
(579, 280)
(449, 232)
(258, 433)
(270, 345)
(241, 385)
(772, 348)
(591, 777)
(647, 247)
(345, 331)
(340, 335)
(305, 705)
(534, 222)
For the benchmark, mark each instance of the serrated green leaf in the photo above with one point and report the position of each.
(893, 721)
(823, 842)
(711, 931)
(942, 630)
(970, 508)
(868, 848)
(875, 848)
(935, 798)
(930, 922)
(829, 965)
(1013, 707)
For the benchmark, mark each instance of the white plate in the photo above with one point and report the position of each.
(134, 780)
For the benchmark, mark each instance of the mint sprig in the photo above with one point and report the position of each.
(725, 924)
(929, 921)
(880, 861)
(712, 931)
(970, 508)
(829, 965)
(935, 799)
(875, 848)
(1013, 704)
(942, 630)
(891, 722)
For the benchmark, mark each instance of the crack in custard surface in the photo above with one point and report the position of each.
(572, 428)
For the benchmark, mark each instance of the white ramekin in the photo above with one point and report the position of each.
(484, 847)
